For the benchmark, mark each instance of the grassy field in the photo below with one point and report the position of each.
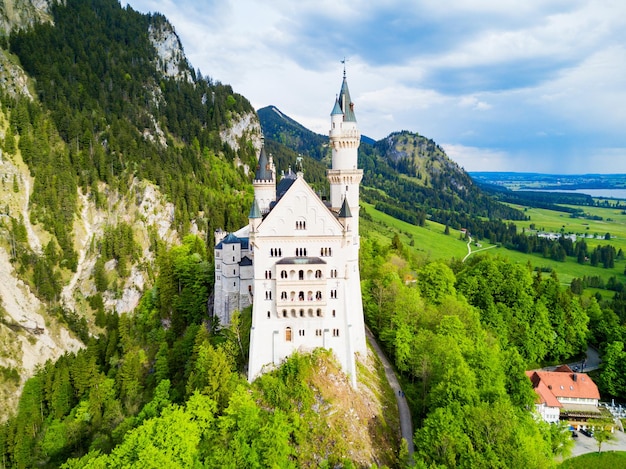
(606, 460)
(431, 242)
(613, 222)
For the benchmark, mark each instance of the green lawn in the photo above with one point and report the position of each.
(429, 241)
(604, 460)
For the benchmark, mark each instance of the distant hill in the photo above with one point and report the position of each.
(406, 175)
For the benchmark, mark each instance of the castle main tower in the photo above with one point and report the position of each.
(344, 135)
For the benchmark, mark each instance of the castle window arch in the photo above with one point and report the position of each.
(319, 312)
(293, 313)
(288, 334)
(301, 312)
(310, 312)
(301, 275)
(284, 313)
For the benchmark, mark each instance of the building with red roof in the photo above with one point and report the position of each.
(563, 394)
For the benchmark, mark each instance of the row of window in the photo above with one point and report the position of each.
(301, 333)
(301, 313)
(301, 296)
(300, 252)
(300, 225)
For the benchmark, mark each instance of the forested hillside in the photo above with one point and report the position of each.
(111, 143)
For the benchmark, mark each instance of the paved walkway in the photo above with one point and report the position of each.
(406, 425)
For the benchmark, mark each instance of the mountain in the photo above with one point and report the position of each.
(405, 175)
(113, 149)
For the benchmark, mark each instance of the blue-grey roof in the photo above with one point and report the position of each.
(246, 261)
(232, 239)
(347, 106)
(336, 108)
(345, 210)
(285, 183)
(263, 171)
(255, 211)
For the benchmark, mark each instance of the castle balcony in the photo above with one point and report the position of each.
(300, 303)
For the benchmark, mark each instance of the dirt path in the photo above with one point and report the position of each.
(406, 424)
(469, 249)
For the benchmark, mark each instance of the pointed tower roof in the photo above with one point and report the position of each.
(346, 102)
(336, 108)
(263, 171)
(344, 212)
(255, 211)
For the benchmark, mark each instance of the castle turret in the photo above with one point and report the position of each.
(265, 182)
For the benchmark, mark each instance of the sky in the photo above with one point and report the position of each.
(506, 85)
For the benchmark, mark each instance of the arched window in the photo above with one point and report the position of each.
(268, 315)
(288, 334)
(319, 312)
(301, 275)
(301, 312)
(310, 312)
(284, 313)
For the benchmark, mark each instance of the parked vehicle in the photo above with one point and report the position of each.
(574, 434)
(586, 432)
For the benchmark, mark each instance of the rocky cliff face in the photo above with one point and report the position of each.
(30, 333)
(23, 13)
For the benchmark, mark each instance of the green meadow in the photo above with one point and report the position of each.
(608, 460)
(431, 243)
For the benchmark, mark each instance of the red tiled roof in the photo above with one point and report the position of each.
(563, 384)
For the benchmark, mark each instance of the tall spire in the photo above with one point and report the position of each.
(345, 102)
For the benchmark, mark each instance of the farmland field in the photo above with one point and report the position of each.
(431, 243)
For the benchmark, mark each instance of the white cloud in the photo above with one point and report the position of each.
(510, 85)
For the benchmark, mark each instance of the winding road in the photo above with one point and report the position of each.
(406, 424)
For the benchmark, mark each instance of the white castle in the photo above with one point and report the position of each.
(297, 261)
